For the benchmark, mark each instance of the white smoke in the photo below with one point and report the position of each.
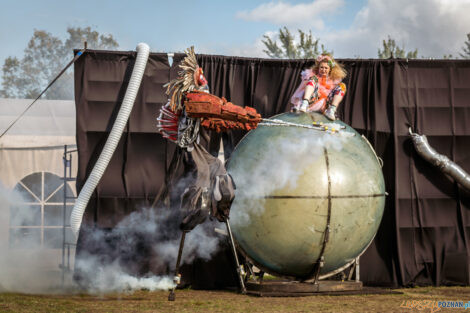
(162, 224)
(104, 278)
(22, 269)
(158, 229)
(19, 267)
(277, 167)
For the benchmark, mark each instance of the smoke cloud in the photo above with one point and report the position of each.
(19, 267)
(113, 258)
(280, 165)
(149, 236)
(103, 278)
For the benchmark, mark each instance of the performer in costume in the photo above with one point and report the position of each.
(321, 89)
(209, 189)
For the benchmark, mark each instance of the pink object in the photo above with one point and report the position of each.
(298, 95)
(321, 58)
(323, 87)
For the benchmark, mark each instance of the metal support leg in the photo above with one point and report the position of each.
(237, 263)
(352, 269)
(358, 276)
(249, 269)
(177, 278)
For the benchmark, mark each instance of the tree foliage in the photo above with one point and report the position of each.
(44, 57)
(392, 50)
(305, 48)
(466, 48)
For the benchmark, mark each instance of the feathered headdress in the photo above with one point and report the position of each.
(325, 58)
(186, 81)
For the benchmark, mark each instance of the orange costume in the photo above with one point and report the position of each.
(325, 89)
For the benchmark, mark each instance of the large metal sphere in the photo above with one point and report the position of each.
(293, 183)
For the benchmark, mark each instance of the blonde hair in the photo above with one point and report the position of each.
(337, 70)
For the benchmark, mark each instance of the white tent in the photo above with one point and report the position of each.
(31, 184)
(36, 142)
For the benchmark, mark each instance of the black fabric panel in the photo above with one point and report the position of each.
(138, 164)
(424, 235)
(368, 107)
(433, 229)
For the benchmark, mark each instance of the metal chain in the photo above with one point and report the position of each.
(319, 127)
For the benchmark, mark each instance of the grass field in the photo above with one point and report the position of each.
(225, 301)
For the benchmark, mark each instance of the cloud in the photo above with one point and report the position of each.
(434, 27)
(286, 14)
(254, 49)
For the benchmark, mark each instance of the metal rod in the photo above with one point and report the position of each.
(234, 250)
(70, 165)
(326, 197)
(250, 270)
(177, 278)
(352, 270)
(64, 213)
(358, 277)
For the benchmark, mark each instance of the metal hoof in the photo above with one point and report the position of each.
(171, 296)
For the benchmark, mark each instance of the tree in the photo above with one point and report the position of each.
(44, 57)
(466, 48)
(392, 50)
(307, 47)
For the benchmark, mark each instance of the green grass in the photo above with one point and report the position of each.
(223, 301)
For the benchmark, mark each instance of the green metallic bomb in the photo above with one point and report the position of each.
(293, 184)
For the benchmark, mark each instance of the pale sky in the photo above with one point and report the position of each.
(349, 28)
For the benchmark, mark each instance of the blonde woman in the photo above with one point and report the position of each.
(321, 89)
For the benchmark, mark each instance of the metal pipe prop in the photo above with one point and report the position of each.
(444, 164)
(177, 278)
(240, 270)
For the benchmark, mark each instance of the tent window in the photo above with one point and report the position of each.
(36, 217)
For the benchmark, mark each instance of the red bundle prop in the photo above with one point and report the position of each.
(167, 123)
(218, 114)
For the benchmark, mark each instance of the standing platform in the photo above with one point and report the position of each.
(299, 289)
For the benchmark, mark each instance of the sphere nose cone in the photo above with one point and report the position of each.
(295, 186)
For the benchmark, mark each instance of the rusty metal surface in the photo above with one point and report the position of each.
(281, 227)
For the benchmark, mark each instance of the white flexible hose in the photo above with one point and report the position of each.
(81, 203)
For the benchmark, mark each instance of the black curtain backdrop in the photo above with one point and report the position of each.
(423, 238)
